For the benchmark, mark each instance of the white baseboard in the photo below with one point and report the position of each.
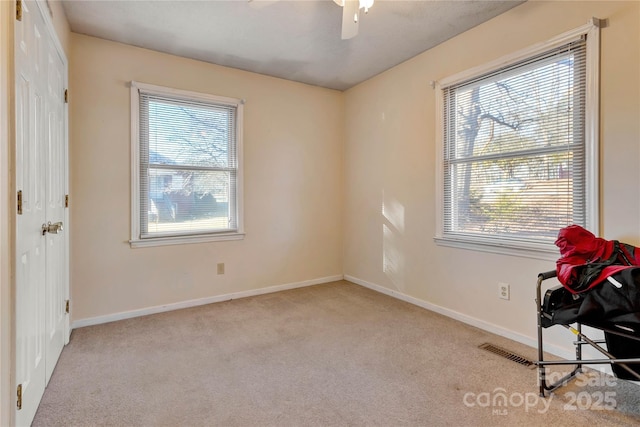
(564, 352)
(197, 302)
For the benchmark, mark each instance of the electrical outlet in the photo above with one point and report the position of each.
(503, 291)
(221, 268)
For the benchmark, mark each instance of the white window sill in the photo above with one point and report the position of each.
(183, 240)
(547, 252)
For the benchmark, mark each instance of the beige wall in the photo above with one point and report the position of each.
(302, 158)
(61, 25)
(293, 148)
(390, 158)
(296, 177)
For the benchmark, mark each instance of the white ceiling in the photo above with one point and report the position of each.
(295, 40)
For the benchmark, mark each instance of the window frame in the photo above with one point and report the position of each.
(136, 233)
(502, 245)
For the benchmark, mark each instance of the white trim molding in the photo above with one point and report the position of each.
(90, 321)
(136, 240)
(521, 248)
(7, 209)
(567, 353)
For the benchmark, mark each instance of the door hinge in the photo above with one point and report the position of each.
(19, 10)
(19, 397)
(20, 202)
(66, 308)
(66, 201)
(66, 96)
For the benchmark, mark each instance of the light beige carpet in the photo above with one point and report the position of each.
(327, 355)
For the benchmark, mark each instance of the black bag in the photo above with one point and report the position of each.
(591, 270)
(623, 348)
(561, 306)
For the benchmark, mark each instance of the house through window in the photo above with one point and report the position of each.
(188, 166)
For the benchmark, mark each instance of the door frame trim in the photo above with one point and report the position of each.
(8, 207)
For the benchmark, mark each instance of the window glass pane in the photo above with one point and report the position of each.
(521, 197)
(531, 109)
(188, 135)
(181, 201)
(188, 165)
(514, 149)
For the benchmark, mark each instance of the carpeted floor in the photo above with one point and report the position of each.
(327, 355)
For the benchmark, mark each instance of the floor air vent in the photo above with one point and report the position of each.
(507, 354)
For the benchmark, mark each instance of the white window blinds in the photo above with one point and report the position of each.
(514, 149)
(188, 165)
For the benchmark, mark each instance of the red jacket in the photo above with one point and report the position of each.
(579, 247)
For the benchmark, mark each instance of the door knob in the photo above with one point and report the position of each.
(54, 228)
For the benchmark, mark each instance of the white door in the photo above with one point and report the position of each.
(55, 190)
(41, 272)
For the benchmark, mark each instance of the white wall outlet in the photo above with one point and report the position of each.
(221, 268)
(503, 290)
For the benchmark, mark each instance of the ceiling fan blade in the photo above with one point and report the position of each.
(350, 19)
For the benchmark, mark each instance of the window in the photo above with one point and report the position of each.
(518, 158)
(186, 166)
